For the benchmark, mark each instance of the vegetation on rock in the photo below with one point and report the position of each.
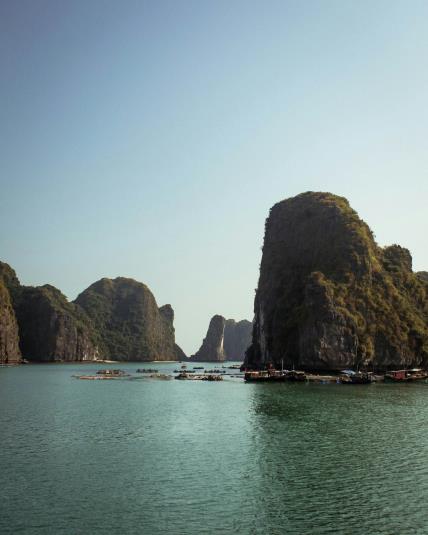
(112, 319)
(329, 296)
(51, 328)
(9, 337)
(128, 322)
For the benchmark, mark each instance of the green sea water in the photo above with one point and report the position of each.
(181, 457)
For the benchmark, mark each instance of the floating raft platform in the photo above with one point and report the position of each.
(198, 377)
(322, 379)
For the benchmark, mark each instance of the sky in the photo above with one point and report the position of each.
(149, 139)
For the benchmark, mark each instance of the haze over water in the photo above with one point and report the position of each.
(188, 457)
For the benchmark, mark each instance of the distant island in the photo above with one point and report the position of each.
(330, 298)
(114, 319)
(225, 340)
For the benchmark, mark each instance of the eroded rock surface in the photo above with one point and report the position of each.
(329, 297)
(128, 322)
(225, 340)
(9, 335)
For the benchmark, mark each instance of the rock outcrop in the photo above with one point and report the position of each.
(48, 327)
(329, 297)
(128, 322)
(212, 348)
(237, 338)
(423, 275)
(167, 312)
(113, 319)
(225, 340)
(9, 336)
(9, 279)
(51, 328)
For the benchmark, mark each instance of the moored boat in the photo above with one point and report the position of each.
(295, 375)
(264, 376)
(350, 377)
(403, 376)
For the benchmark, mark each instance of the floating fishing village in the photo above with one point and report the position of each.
(270, 375)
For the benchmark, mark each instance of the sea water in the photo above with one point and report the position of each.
(189, 457)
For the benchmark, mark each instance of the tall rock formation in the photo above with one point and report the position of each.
(225, 340)
(112, 319)
(52, 329)
(129, 324)
(329, 297)
(212, 348)
(9, 336)
(167, 312)
(237, 338)
(9, 332)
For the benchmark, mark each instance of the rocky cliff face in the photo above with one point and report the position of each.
(237, 338)
(328, 297)
(423, 275)
(212, 348)
(9, 278)
(9, 337)
(51, 328)
(129, 324)
(225, 340)
(116, 319)
(167, 312)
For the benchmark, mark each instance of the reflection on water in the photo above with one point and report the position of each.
(342, 459)
(189, 457)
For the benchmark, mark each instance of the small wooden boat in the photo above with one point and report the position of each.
(350, 377)
(211, 378)
(406, 376)
(265, 376)
(295, 375)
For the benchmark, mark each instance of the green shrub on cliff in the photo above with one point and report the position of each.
(128, 322)
(51, 328)
(329, 296)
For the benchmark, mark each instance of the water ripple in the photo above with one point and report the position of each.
(198, 458)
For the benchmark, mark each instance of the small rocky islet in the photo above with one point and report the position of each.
(328, 297)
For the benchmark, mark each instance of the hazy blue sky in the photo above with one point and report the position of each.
(149, 139)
